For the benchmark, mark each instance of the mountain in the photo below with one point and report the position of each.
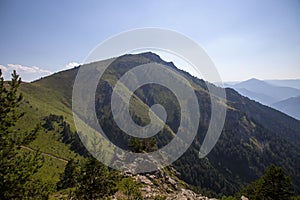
(290, 106)
(293, 83)
(271, 95)
(259, 97)
(254, 136)
(264, 92)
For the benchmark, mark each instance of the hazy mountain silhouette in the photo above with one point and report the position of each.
(267, 93)
(293, 83)
(290, 106)
(271, 95)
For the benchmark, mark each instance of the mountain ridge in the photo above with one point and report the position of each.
(261, 87)
(249, 137)
(290, 106)
(268, 94)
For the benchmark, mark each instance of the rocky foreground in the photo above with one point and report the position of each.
(164, 184)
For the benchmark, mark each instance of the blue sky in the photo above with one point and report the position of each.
(245, 39)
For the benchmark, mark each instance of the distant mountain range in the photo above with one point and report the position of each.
(294, 83)
(282, 95)
(290, 106)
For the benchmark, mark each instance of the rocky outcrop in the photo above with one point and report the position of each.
(244, 198)
(165, 183)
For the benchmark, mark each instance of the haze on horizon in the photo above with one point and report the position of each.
(245, 39)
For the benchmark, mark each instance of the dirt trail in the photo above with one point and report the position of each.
(44, 153)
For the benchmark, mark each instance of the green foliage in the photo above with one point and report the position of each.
(273, 185)
(16, 167)
(229, 198)
(67, 136)
(131, 189)
(143, 145)
(95, 181)
(36, 189)
(9, 100)
(68, 178)
(49, 121)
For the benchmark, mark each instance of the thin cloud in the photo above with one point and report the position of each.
(72, 65)
(3, 68)
(26, 73)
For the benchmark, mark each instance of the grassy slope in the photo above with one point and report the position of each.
(40, 100)
(49, 96)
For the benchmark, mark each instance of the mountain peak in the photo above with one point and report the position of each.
(253, 80)
(152, 56)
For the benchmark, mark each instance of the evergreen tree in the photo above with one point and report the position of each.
(273, 185)
(95, 181)
(68, 178)
(16, 166)
(131, 189)
(137, 145)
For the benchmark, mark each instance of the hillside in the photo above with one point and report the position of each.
(290, 106)
(254, 135)
(259, 97)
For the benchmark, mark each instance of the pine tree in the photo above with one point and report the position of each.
(68, 178)
(16, 166)
(95, 181)
(273, 185)
(276, 185)
(143, 145)
(131, 189)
